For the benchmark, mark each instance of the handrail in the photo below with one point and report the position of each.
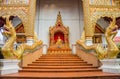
(30, 57)
(89, 57)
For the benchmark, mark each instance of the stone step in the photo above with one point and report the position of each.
(59, 59)
(59, 64)
(59, 67)
(58, 70)
(61, 75)
(59, 56)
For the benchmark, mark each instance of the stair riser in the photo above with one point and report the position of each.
(58, 68)
(59, 65)
(59, 62)
(59, 58)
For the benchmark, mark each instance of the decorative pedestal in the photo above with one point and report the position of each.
(111, 65)
(8, 66)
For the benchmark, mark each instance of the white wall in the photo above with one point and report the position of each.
(46, 14)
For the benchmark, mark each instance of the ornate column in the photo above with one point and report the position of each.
(87, 22)
(30, 29)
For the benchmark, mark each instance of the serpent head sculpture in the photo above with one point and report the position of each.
(7, 50)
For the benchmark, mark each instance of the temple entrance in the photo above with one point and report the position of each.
(59, 36)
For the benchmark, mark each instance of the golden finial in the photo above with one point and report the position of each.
(59, 19)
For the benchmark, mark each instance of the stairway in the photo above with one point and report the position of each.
(59, 63)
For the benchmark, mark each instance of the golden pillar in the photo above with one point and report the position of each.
(87, 22)
(31, 25)
(32, 11)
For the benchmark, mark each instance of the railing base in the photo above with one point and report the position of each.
(111, 65)
(8, 66)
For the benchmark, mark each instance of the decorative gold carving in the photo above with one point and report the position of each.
(16, 2)
(98, 14)
(105, 2)
(32, 10)
(59, 27)
(14, 12)
(101, 2)
(25, 12)
(102, 53)
(59, 20)
(95, 9)
(8, 50)
(87, 19)
(117, 2)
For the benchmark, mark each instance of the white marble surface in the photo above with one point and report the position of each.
(111, 65)
(8, 66)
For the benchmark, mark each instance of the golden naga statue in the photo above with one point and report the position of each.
(102, 53)
(8, 50)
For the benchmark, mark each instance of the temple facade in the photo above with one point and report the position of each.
(74, 34)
